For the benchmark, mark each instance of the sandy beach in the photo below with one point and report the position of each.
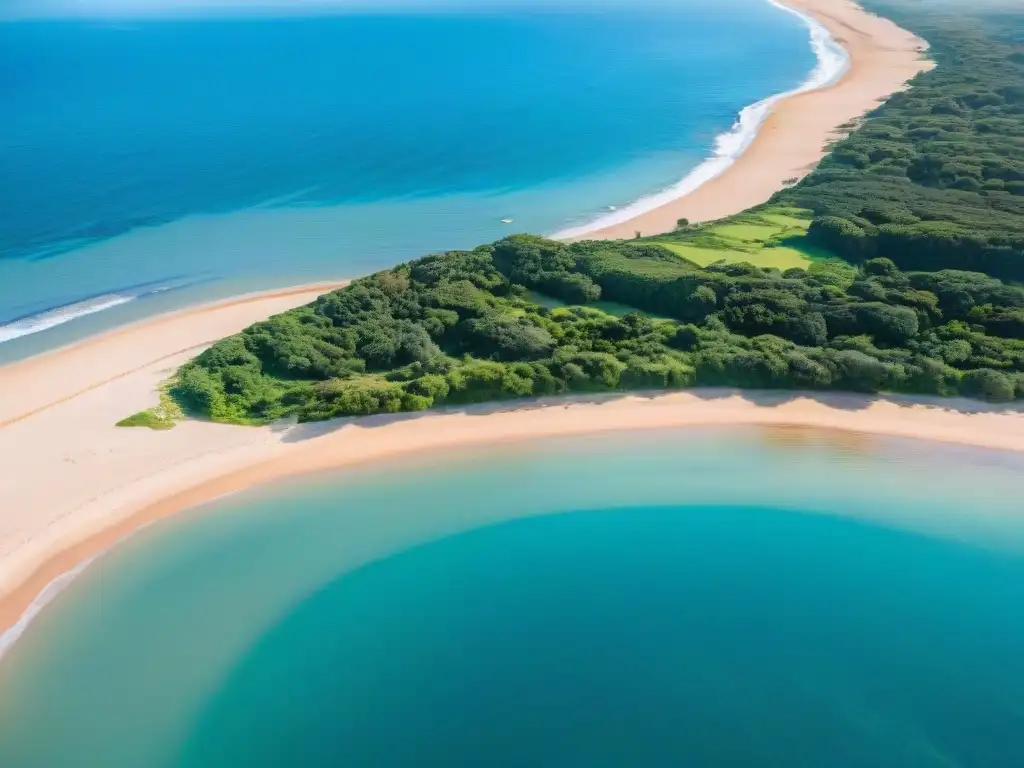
(74, 484)
(796, 134)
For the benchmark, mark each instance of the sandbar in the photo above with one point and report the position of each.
(74, 483)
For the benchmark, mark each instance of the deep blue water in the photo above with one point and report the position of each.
(695, 598)
(205, 156)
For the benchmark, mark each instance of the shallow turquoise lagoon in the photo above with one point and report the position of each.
(691, 598)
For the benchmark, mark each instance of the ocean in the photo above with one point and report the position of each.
(703, 597)
(150, 163)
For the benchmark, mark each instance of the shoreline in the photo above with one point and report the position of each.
(790, 132)
(104, 482)
(80, 485)
(773, 141)
(323, 449)
(217, 315)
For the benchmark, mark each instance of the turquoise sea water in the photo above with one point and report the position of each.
(148, 164)
(697, 598)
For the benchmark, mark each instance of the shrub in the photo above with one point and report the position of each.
(986, 384)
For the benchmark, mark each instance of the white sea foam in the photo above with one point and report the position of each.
(9, 637)
(25, 326)
(832, 63)
(44, 598)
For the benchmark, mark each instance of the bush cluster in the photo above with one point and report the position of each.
(924, 202)
(934, 178)
(464, 327)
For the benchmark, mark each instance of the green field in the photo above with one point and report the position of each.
(611, 308)
(772, 238)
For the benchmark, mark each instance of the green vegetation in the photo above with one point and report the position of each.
(460, 328)
(934, 179)
(162, 417)
(925, 202)
(773, 237)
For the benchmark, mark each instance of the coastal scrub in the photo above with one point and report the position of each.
(893, 267)
(466, 327)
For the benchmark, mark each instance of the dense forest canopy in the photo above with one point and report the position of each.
(925, 202)
(935, 177)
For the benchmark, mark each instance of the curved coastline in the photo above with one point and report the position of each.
(781, 139)
(747, 163)
(103, 483)
(833, 61)
(67, 371)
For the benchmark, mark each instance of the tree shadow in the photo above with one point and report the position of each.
(806, 246)
(291, 431)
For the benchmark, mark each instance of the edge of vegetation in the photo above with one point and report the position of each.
(162, 417)
(905, 244)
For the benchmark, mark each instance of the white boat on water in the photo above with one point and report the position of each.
(506, 221)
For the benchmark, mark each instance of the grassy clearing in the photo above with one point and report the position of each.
(612, 308)
(616, 309)
(162, 417)
(787, 218)
(746, 234)
(771, 238)
(542, 300)
(778, 258)
(698, 255)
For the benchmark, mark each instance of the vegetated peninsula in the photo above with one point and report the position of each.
(891, 268)
(738, 300)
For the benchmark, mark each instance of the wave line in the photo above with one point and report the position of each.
(50, 318)
(832, 63)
